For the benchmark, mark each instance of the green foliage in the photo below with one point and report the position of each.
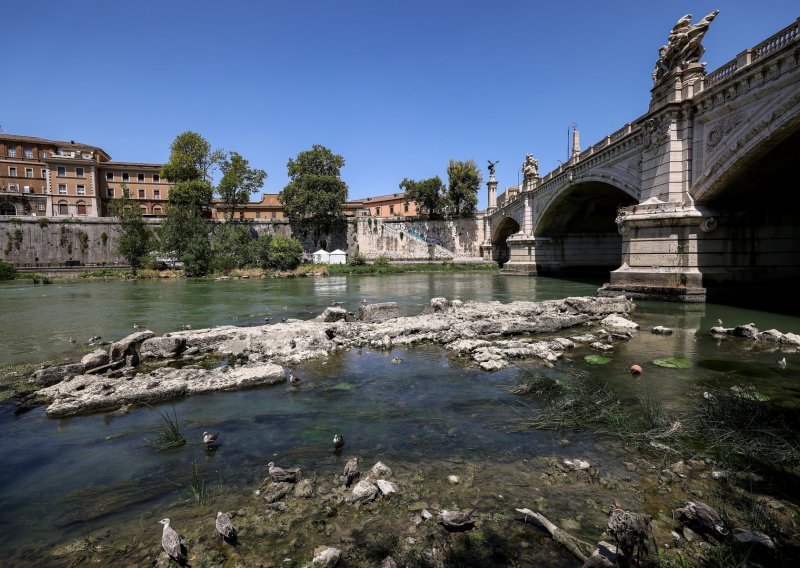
(196, 257)
(315, 190)
(597, 359)
(191, 158)
(230, 246)
(7, 271)
(381, 261)
(238, 182)
(258, 251)
(427, 193)
(179, 228)
(170, 434)
(133, 242)
(357, 259)
(192, 196)
(284, 253)
(83, 239)
(17, 238)
(464, 180)
(103, 238)
(43, 222)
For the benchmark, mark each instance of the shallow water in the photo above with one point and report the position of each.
(68, 478)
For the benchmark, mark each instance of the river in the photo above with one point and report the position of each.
(91, 477)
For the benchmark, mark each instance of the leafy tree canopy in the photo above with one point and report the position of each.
(193, 197)
(315, 190)
(134, 237)
(191, 157)
(427, 193)
(238, 182)
(284, 253)
(464, 180)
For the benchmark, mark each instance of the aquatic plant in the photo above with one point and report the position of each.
(170, 435)
(197, 487)
(537, 385)
(673, 363)
(597, 359)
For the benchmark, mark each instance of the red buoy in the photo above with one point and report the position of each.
(636, 370)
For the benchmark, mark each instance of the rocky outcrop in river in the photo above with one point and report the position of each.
(489, 333)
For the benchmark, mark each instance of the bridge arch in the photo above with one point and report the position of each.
(504, 229)
(576, 229)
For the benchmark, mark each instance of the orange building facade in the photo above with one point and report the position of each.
(51, 178)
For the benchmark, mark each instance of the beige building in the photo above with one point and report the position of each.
(51, 178)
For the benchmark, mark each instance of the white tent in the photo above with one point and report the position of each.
(338, 257)
(321, 257)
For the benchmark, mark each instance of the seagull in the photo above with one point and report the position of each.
(136, 325)
(209, 439)
(267, 319)
(350, 471)
(363, 301)
(629, 530)
(719, 323)
(338, 441)
(782, 363)
(280, 474)
(225, 528)
(171, 543)
(293, 380)
(283, 320)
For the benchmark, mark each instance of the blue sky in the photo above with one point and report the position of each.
(397, 87)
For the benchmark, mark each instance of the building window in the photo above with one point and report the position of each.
(12, 172)
(405, 207)
(126, 192)
(109, 176)
(157, 210)
(62, 171)
(44, 173)
(79, 172)
(258, 214)
(62, 189)
(144, 209)
(63, 208)
(8, 209)
(391, 209)
(81, 190)
(11, 152)
(156, 178)
(110, 192)
(13, 187)
(41, 207)
(377, 211)
(125, 176)
(26, 189)
(156, 194)
(28, 172)
(28, 152)
(141, 194)
(81, 208)
(140, 178)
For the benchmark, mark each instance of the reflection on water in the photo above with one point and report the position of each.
(66, 478)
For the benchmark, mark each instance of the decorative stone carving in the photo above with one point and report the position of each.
(722, 128)
(655, 133)
(622, 227)
(530, 167)
(708, 224)
(683, 46)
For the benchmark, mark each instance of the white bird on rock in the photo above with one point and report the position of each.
(280, 474)
(171, 543)
(225, 528)
(782, 363)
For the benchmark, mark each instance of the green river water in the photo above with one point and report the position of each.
(91, 479)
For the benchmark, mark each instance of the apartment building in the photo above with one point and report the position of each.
(51, 178)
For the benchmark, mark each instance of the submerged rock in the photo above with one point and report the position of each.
(618, 323)
(374, 313)
(661, 330)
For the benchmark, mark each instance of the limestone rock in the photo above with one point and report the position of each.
(127, 345)
(453, 479)
(304, 488)
(96, 358)
(438, 305)
(791, 339)
(577, 464)
(376, 313)
(52, 375)
(162, 347)
(748, 330)
(661, 330)
(379, 470)
(276, 491)
(363, 492)
(618, 322)
(333, 314)
(386, 487)
(562, 343)
(600, 346)
(744, 535)
(326, 556)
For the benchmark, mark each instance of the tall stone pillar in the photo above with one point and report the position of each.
(491, 189)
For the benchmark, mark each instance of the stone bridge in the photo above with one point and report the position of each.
(698, 194)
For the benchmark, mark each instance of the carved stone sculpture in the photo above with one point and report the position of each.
(683, 45)
(491, 167)
(530, 168)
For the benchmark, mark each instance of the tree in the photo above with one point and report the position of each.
(230, 245)
(258, 251)
(464, 180)
(189, 202)
(428, 193)
(134, 236)
(196, 258)
(285, 253)
(191, 158)
(238, 182)
(315, 191)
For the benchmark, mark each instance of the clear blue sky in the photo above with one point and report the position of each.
(397, 87)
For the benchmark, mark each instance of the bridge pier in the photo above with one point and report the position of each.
(660, 252)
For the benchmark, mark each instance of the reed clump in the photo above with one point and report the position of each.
(169, 436)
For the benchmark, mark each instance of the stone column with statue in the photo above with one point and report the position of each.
(530, 173)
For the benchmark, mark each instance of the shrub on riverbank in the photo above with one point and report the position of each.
(7, 271)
